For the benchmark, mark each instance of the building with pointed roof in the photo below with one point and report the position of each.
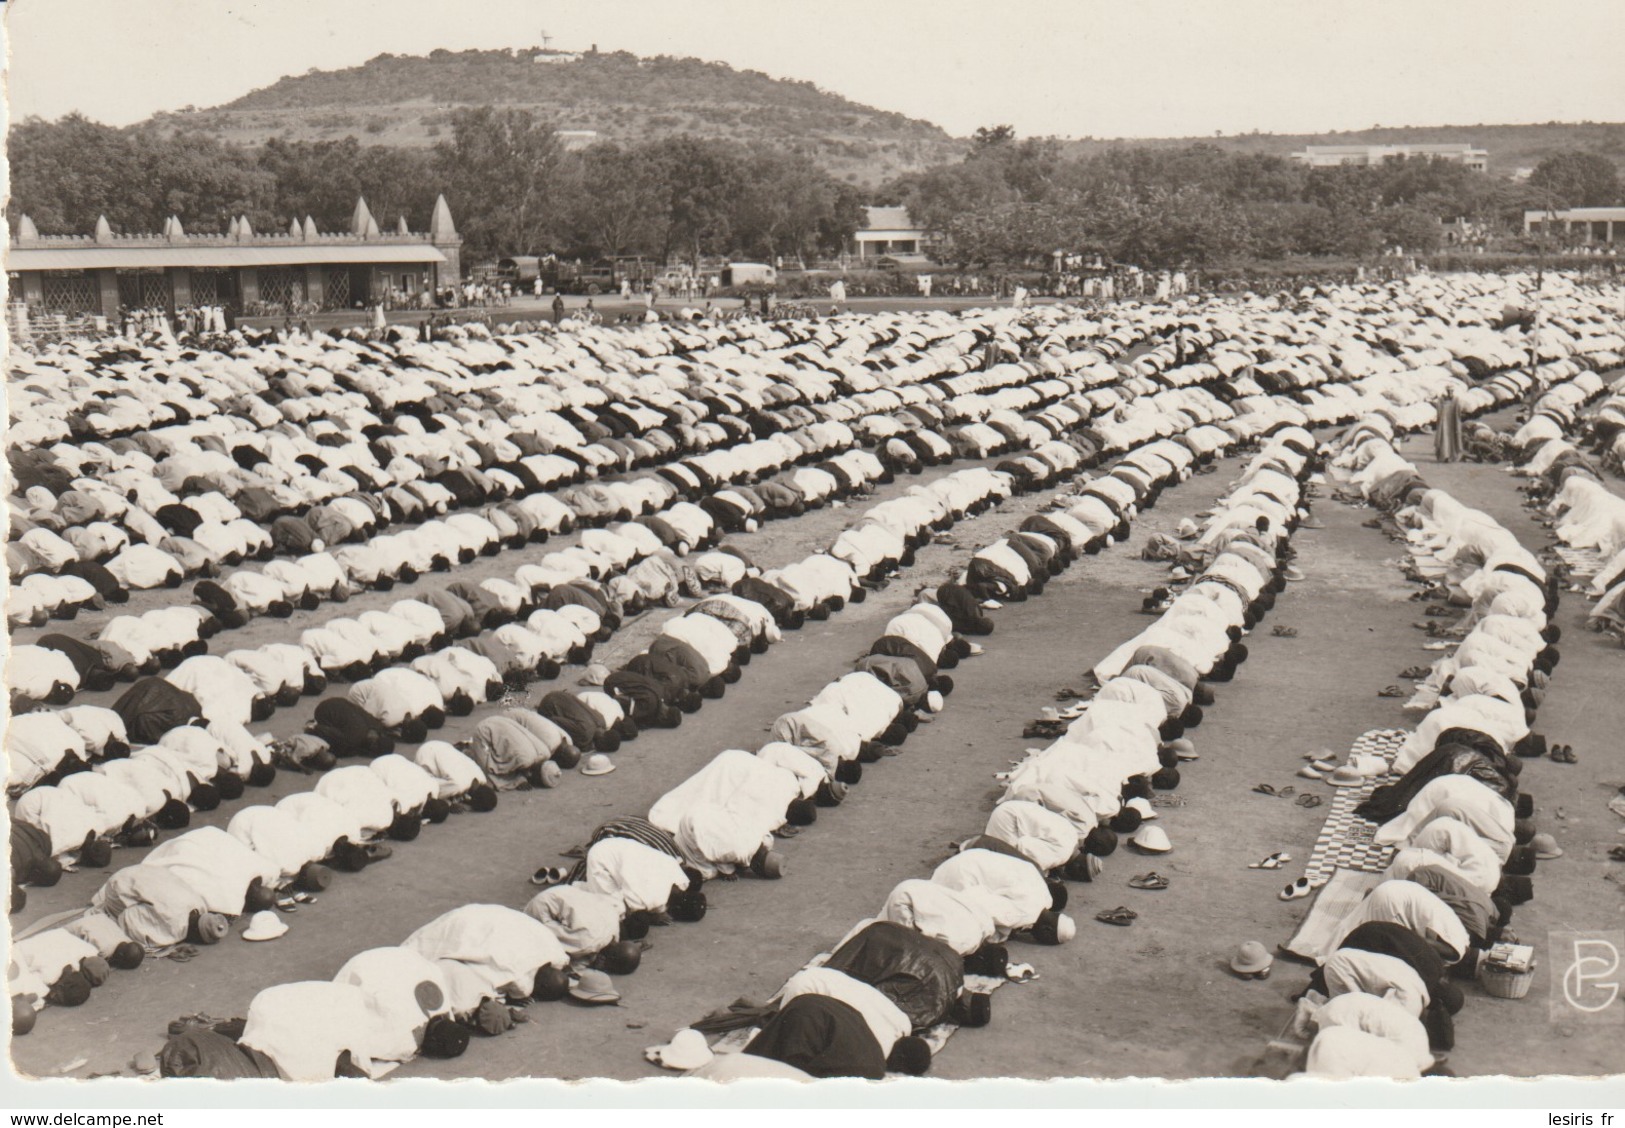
(289, 272)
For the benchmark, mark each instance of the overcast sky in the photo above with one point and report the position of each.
(1102, 68)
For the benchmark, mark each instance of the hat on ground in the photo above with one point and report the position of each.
(1251, 959)
(687, 1050)
(1546, 847)
(1182, 748)
(265, 925)
(1146, 811)
(1345, 776)
(594, 988)
(597, 764)
(548, 774)
(95, 970)
(1369, 764)
(1152, 839)
(1187, 528)
(596, 674)
(211, 928)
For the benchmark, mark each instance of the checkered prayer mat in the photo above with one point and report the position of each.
(1346, 839)
(1583, 562)
(1347, 888)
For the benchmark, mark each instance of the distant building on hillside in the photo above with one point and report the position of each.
(887, 231)
(573, 139)
(1578, 225)
(557, 57)
(277, 273)
(1331, 156)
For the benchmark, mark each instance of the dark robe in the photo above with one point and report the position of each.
(920, 974)
(197, 1052)
(823, 1037)
(152, 706)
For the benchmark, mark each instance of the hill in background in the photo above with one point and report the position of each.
(408, 101)
(1511, 147)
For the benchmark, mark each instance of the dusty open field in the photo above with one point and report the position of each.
(1150, 1000)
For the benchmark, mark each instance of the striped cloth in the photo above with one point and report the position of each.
(635, 827)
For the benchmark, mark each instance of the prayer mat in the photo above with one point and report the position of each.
(1346, 889)
(1345, 840)
(1583, 562)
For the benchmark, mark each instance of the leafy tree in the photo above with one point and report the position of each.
(1578, 179)
(991, 136)
(499, 170)
(615, 197)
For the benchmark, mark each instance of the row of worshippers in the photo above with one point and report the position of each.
(225, 694)
(300, 581)
(374, 571)
(417, 461)
(515, 747)
(1129, 741)
(1384, 993)
(904, 639)
(189, 889)
(721, 822)
(355, 506)
(694, 656)
(722, 819)
(634, 872)
(171, 652)
(576, 605)
(353, 525)
(697, 654)
(862, 1011)
(1583, 503)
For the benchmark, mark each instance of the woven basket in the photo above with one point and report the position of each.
(1504, 984)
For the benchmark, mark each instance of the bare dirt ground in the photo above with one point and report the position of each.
(1153, 999)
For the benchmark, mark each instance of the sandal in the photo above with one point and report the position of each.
(1286, 792)
(1285, 632)
(1119, 916)
(1265, 789)
(1564, 754)
(1415, 673)
(287, 905)
(1617, 853)
(1299, 888)
(548, 875)
(1391, 691)
(1152, 880)
(1308, 771)
(1274, 861)
(1307, 800)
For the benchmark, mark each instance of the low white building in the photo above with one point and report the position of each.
(1332, 156)
(887, 231)
(1578, 225)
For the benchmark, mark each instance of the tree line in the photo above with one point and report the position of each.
(512, 186)
(514, 189)
(1016, 200)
